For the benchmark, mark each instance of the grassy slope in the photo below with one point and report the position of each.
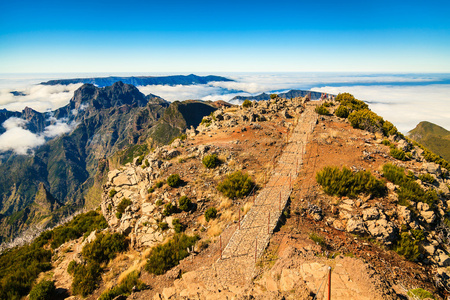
(432, 136)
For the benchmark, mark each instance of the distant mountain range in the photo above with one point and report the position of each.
(141, 80)
(432, 136)
(286, 95)
(117, 122)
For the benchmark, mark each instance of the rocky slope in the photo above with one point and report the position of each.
(365, 239)
(105, 121)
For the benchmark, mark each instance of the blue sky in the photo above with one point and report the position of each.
(228, 36)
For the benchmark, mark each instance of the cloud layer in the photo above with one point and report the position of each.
(22, 141)
(39, 97)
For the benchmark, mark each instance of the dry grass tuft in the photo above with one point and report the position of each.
(247, 207)
(215, 228)
(229, 216)
(225, 203)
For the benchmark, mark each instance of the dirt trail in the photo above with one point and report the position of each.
(236, 267)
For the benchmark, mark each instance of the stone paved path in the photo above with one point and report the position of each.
(237, 264)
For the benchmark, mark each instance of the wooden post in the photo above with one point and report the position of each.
(220, 245)
(268, 224)
(279, 202)
(329, 283)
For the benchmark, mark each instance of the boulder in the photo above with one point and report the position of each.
(429, 216)
(382, 230)
(121, 180)
(441, 258)
(404, 214)
(356, 226)
(371, 214)
(432, 168)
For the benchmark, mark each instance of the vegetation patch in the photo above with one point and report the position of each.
(211, 161)
(420, 294)
(398, 154)
(125, 287)
(409, 244)
(177, 226)
(210, 213)
(173, 180)
(184, 203)
(105, 247)
(166, 256)
(86, 278)
(112, 193)
(342, 111)
(319, 240)
(428, 178)
(247, 103)
(409, 189)
(322, 110)
(169, 209)
(350, 102)
(43, 290)
(124, 203)
(236, 185)
(347, 183)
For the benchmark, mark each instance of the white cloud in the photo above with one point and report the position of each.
(405, 106)
(58, 128)
(39, 97)
(18, 139)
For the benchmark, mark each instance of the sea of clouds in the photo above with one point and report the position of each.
(404, 99)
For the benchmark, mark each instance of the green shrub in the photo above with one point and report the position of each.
(71, 267)
(322, 110)
(125, 287)
(247, 103)
(112, 193)
(210, 161)
(169, 209)
(351, 102)
(177, 226)
(327, 104)
(342, 111)
(158, 202)
(236, 185)
(166, 256)
(206, 121)
(210, 213)
(104, 248)
(273, 96)
(43, 290)
(389, 129)
(409, 189)
(139, 160)
(420, 294)
(150, 190)
(20, 266)
(346, 183)
(159, 184)
(427, 178)
(173, 180)
(124, 203)
(163, 226)
(86, 279)
(386, 142)
(398, 154)
(366, 120)
(409, 244)
(184, 203)
(319, 240)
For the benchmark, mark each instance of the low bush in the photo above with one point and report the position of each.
(139, 160)
(158, 202)
(125, 287)
(398, 154)
(150, 190)
(409, 189)
(184, 203)
(169, 209)
(420, 294)
(366, 120)
(163, 226)
(112, 192)
(247, 103)
(159, 184)
(166, 256)
(173, 180)
(124, 203)
(86, 279)
(347, 183)
(177, 226)
(427, 178)
(210, 161)
(322, 110)
(351, 102)
(386, 142)
(409, 244)
(273, 96)
(210, 213)
(342, 111)
(104, 248)
(43, 290)
(236, 185)
(71, 267)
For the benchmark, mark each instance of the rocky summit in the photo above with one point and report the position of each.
(272, 199)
